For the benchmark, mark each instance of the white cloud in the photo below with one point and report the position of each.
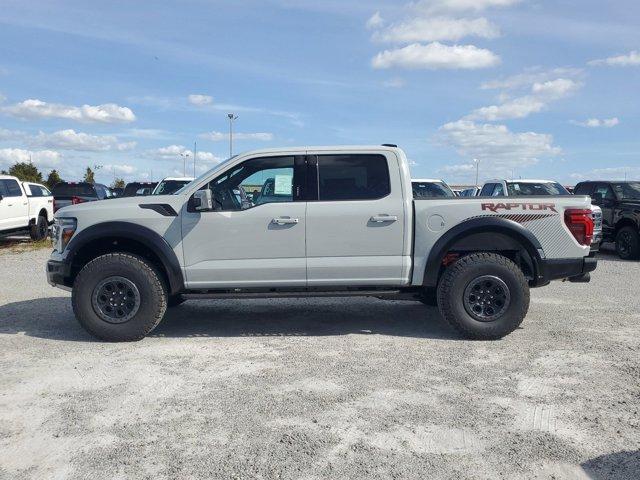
(394, 83)
(541, 95)
(458, 169)
(631, 59)
(375, 21)
(175, 152)
(436, 56)
(430, 29)
(11, 135)
(71, 140)
(40, 158)
(220, 136)
(496, 146)
(608, 173)
(120, 169)
(106, 113)
(195, 99)
(597, 122)
(438, 6)
(531, 76)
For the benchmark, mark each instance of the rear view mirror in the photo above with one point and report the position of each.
(202, 200)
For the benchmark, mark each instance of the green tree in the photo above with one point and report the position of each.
(118, 183)
(89, 176)
(26, 171)
(53, 178)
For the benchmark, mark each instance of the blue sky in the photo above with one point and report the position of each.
(543, 89)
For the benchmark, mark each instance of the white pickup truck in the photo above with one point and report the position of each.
(24, 206)
(331, 221)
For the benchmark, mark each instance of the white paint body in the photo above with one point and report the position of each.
(332, 243)
(18, 212)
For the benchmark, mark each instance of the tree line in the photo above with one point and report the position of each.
(28, 172)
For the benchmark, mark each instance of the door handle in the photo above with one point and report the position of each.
(383, 218)
(284, 220)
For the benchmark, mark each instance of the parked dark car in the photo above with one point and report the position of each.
(620, 204)
(136, 189)
(117, 191)
(72, 193)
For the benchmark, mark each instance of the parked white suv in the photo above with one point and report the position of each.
(24, 207)
(329, 221)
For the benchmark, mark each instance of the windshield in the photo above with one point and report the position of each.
(431, 190)
(169, 187)
(528, 189)
(627, 191)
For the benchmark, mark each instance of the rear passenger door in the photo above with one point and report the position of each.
(355, 220)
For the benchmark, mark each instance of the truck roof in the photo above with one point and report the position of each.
(178, 179)
(432, 180)
(521, 180)
(346, 148)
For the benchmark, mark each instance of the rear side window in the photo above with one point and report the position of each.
(73, 189)
(583, 189)
(10, 188)
(34, 190)
(353, 177)
(487, 190)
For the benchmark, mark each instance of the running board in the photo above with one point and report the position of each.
(292, 294)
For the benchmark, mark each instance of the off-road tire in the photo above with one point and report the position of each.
(454, 282)
(175, 300)
(38, 230)
(153, 296)
(631, 250)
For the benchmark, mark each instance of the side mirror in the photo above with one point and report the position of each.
(202, 200)
(597, 198)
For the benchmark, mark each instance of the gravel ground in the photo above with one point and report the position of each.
(322, 388)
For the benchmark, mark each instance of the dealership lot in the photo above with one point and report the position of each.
(321, 388)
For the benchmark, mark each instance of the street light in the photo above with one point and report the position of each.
(231, 118)
(184, 156)
(477, 162)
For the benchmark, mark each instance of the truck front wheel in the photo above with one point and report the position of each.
(119, 297)
(484, 296)
(628, 243)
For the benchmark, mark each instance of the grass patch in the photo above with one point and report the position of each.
(20, 245)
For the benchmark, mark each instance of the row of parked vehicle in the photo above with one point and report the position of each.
(28, 207)
(615, 204)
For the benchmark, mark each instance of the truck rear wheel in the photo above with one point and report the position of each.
(119, 297)
(39, 228)
(628, 243)
(484, 296)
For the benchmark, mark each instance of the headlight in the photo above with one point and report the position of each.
(63, 230)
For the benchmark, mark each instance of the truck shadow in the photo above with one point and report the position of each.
(618, 465)
(52, 318)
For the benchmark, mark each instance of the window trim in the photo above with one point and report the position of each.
(315, 179)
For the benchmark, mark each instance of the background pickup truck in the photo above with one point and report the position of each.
(24, 206)
(338, 221)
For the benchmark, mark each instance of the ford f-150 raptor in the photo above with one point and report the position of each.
(337, 221)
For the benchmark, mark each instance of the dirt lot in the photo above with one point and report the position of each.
(321, 388)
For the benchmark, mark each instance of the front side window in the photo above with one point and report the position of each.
(11, 188)
(253, 183)
(605, 191)
(528, 189)
(353, 177)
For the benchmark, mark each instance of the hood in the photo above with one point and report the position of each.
(120, 204)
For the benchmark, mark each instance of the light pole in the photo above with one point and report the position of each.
(477, 162)
(184, 156)
(195, 154)
(231, 118)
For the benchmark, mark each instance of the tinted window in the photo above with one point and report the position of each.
(254, 182)
(101, 190)
(73, 189)
(498, 191)
(430, 190)
(487, 190)
(604, 190)
(628, 191)
(535, 188)
(352, 177)
(168, 187)
(11, 188)
(583, 189)
(33, 190)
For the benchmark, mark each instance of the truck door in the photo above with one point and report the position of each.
(607, 205)
(14, 206)
(249, 241)
(355, 223)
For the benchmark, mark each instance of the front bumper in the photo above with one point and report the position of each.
(58, 274)
(572, 269)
